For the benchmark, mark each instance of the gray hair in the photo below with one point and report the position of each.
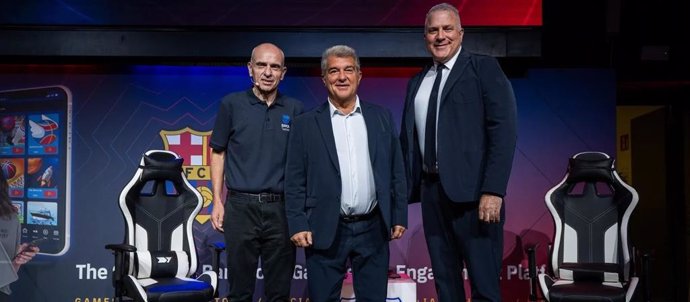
(443, 7)
(340, 51)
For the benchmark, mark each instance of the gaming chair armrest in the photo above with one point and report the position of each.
(532, 265)
(218, 248)
(120, 266)
(646, 276)
(122, 247)
(533, 272)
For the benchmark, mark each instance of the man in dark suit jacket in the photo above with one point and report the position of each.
(345, 185)
(458, 139)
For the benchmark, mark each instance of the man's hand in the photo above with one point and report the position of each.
(217, 215)
(302, 239)
(397, 232)
(490, 208)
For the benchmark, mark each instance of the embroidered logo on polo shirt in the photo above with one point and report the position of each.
(285, 122)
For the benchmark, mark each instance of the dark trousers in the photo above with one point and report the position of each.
(254, 229)
(457, 238)
(365, 244)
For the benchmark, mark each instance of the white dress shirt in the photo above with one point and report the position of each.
(358, 194)
(421, 100)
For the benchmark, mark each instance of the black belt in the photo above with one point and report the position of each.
(430, 176)
(359, 217)
(260, 197)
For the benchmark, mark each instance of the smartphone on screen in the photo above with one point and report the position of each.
(35, 156)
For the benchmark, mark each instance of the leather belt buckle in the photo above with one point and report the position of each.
(431, 177)
(360, 217)
(350, 218)
(269, 197)
(264, 197)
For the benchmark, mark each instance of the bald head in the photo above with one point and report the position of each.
(270, 48)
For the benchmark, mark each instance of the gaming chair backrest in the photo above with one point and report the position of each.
(591, 208)
(159, 206)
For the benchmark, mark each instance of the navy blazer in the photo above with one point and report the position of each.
(476, 130)
(312, 174)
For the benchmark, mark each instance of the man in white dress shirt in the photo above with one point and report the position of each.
(345, 185)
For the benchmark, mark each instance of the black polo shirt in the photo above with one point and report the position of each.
(254, 138)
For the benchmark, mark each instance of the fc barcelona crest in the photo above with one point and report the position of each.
(193, 147)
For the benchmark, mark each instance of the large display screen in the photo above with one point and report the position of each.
(35, 147)
(249, 13)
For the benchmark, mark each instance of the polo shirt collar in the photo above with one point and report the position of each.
(253, 100)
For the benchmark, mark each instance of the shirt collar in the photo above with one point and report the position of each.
(335, 111)
(253, 100)
(451, 62)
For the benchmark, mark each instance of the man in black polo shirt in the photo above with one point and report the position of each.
(249, 147)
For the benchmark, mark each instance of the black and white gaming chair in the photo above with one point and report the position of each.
(591, 255)
(158, 257)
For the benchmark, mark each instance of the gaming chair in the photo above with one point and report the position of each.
(591, 256)
(158, 257)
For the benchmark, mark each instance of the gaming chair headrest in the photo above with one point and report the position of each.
(161, 165)
(591, 167)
